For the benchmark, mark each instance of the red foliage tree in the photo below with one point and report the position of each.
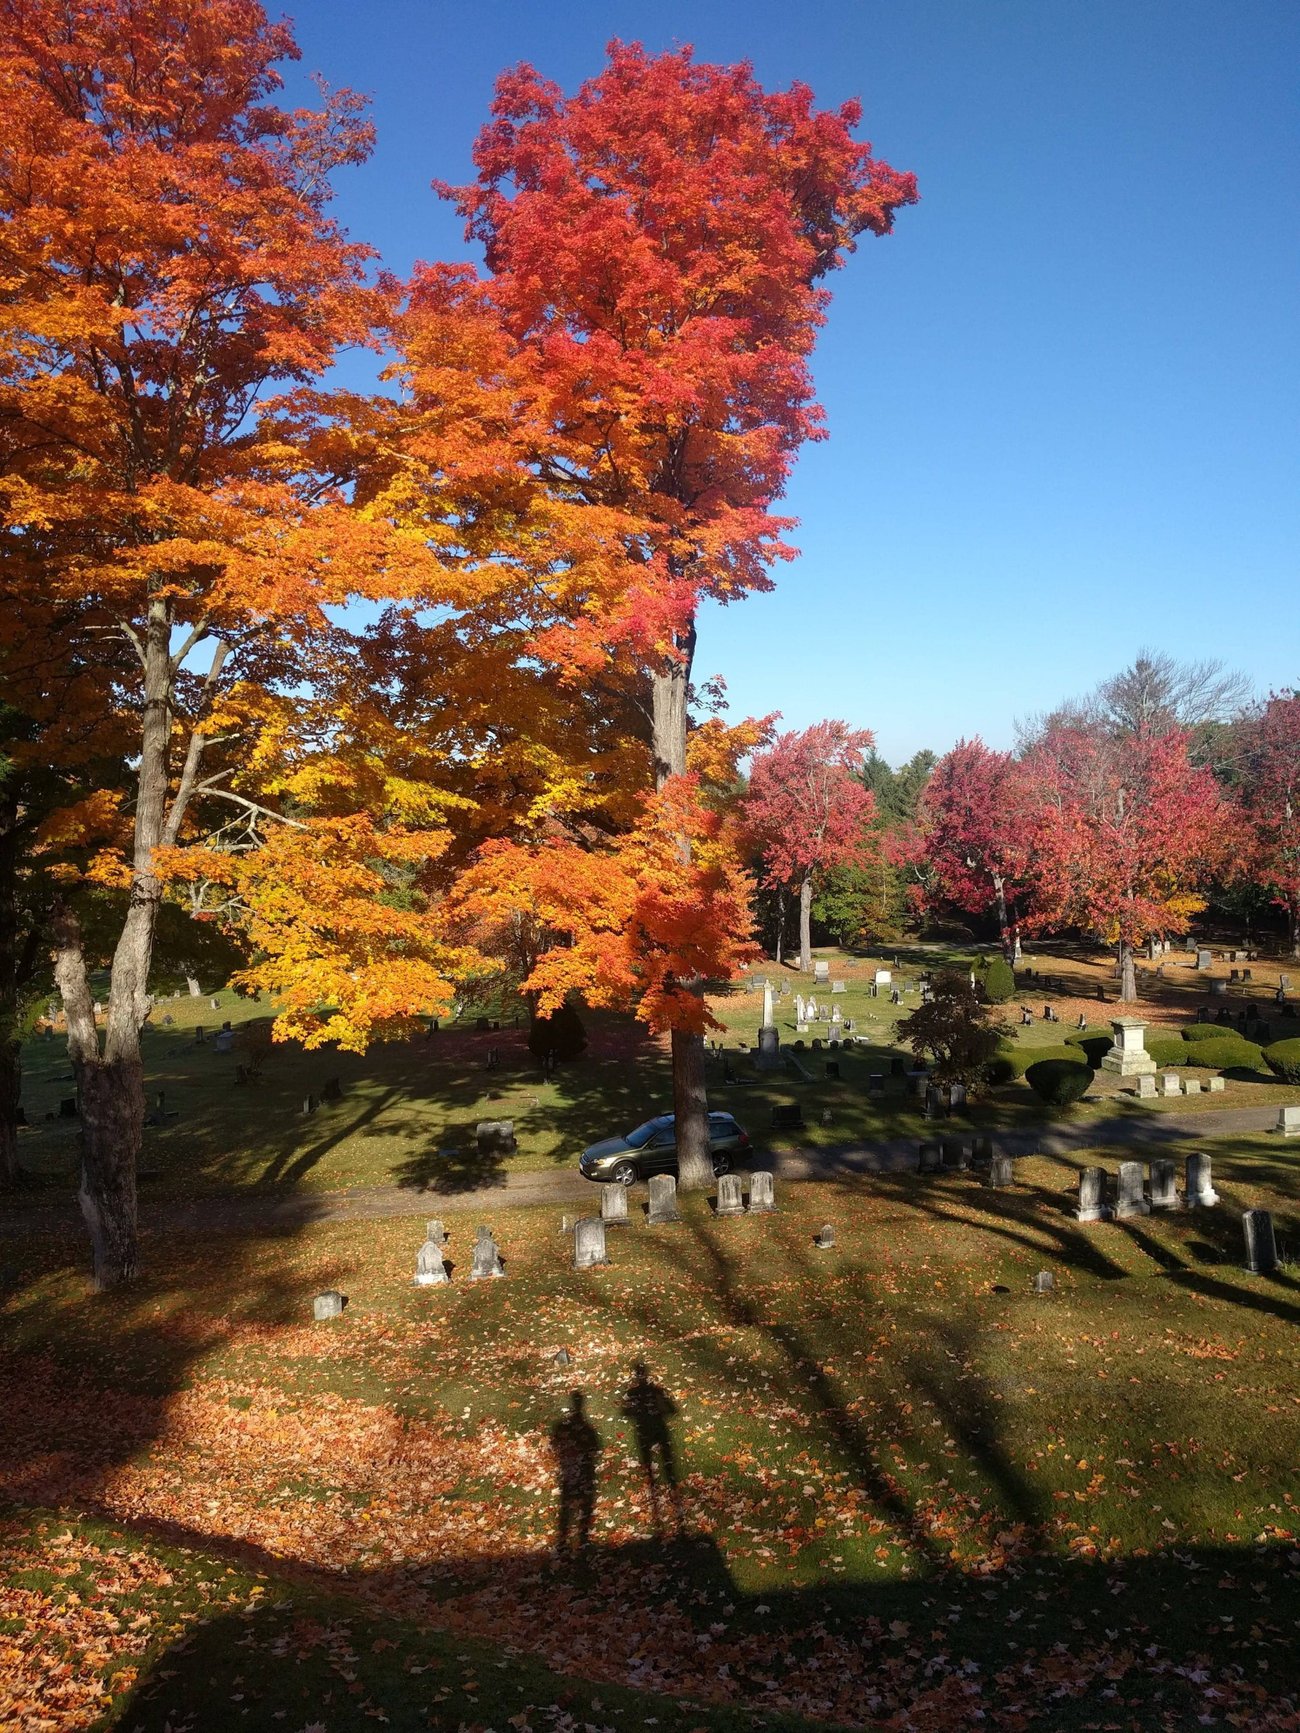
(974, 824)
(608, 416)
(808, 809)
(1271, 800)
(1125, 833)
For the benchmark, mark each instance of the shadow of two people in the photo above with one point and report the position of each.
(576, 1446)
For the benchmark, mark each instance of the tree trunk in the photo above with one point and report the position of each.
(11, 1078)
(780, 925)
(1293, 915)
(691, 1111)
(669, 688)
(1127, 973)
(805, 923)
(111, 1098)
(1004, 933)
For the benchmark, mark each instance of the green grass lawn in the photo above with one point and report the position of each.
(409, 1109)
(913, 1493)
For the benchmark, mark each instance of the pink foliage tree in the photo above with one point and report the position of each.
(1271, 799)
(809, 811)
(975, 828)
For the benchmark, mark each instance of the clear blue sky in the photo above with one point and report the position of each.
(1062, 396)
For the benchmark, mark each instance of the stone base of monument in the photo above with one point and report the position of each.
(1128, 1056)
(768, 1056)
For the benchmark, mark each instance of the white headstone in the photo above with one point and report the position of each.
(883, 977)
(663, 1199)
(1164, 1185)
(731, 1196)
(1146, 1087)
(430, 1271)
(613, 1205)
(1214, 1085)
(1171, 1084)
(487, 1258)
(1198, 1188)
(1191, 1086)
(1092, 1195)
(1130, 1199)
(762, 1199)
(821, 972)
(327, 1305)
(1288, 1121)
(589, 1243)
(767, 1004)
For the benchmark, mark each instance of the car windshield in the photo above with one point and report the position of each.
(641, 1136)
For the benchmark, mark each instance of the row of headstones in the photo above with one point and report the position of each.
(1056, 984)
(1134, 1196)
(1170, 1083)
(957, 1154)
(589, 1247)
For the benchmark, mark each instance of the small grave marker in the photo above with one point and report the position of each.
(1164, 1185)
(1288, 1121)
(330, 1304)
(589, 1243)
(1130, 1199)
(1261, 1246)
(663, 1200)
(824, 1239)
(613, 1205)
(1092, 1205)
(731, 1196)
(430, 1271)
(1001, 1172)
(762, 1198)
(487, 1257)
(1198, 1186)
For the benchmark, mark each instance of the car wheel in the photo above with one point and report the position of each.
(721, 1165)
(624, 1173)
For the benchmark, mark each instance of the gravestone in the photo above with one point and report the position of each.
(196, 992)
(68, 1107)
(762, 1196)
(487, 1257)
(957, 1096)
(897, 1065)
(918, 1082)
(883, 978)
(1092, 1206)
(222, 1041)
(330, 1304)
(1214, 1085)
(309, 1104)
(934, 1108)
(214, 1004)
(613, 1205)
(1171, 1084)
(824, 1239)
(430, 1271)
(1128, 1056)
(787, 1116)
(1191, 1086)
(168, 1022)
(333, 1090)
(1288, 1121)
(875, 1083)
(731, 1196)
(821, 973)
(768, 1056)
(495, 1137)
(1129, 1199)
(1198, 1185)
(1044, 1282)
(589, 1243)
(198, 1035)
(1261, 1246)
(955, 1153)
(767, 1005)
(1164, 1185)
(1001, 1172)
(833, 1069)
(1218, 989)
(663, 1200)
(800, 1009)
(982, 1150)
(1203, 959)
(930, 1158)
(838, 987)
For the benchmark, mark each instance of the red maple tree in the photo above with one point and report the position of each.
(607, 417)
(1125, 833)
(974, 825)
(809, 811)
(1271, 802)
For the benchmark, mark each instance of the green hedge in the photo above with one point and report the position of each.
(1203, 1031)
(1233, 1052)
(996, 980)
(1283, 1060)
(1169, 1050)
(1058, 1082)
(1095, 1046)
(999, 1071)
(1021, 1058)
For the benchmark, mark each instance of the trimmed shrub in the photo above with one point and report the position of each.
(997, 983)
(1095, 1047)
(1283, 1060)
(1202, 1032)
(1169, 1050)
(1001, 1070)
(561, 1033)
(1021, 1058)
(1058, 1082)
(1229, 1052)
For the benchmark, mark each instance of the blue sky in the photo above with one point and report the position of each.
(1062, 396)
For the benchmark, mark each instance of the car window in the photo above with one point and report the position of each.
(663, 1139)
(641, 1136)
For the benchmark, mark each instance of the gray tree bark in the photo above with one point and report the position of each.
(669, 687)
(805, 923)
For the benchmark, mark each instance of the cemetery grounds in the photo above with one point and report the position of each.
(910, 1492)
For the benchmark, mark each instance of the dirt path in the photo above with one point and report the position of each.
(242, 1212)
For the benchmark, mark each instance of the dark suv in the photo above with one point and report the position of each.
(652, 1148)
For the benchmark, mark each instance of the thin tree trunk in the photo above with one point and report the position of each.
(669, 688)
(1127, 973)
(1004, 934)
(780, 925)
(1293, 915)
(805, 923)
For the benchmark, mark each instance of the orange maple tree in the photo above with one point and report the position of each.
(168, 259)
(602, 423)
